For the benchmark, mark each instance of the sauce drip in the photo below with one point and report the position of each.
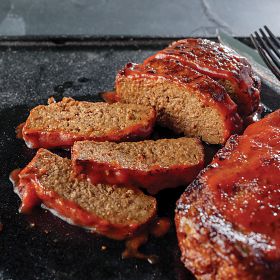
(255, 117)
(14, 177)
(19, 130)
(159, 228)
(109, 96)
(28, 195)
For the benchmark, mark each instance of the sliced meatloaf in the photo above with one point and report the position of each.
(228, 219)
(61, 124)
(154, 165)
(186, 101)
(222, 64)
(111, 210)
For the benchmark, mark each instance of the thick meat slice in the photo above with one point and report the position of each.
(154, 165)
(228, 220)
(116, 212)
(186, 101)
(222, 64)
(61, 124)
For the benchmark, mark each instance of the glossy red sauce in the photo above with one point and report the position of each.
(153, 180)
(109, 97)
(159, 228)
(218, 62)
(255, 117)
(19, 130)
(29, 198)
(60, 139)
(246, 181)
(27, 185)
(213, 94)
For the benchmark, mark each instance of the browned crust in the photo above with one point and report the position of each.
(211, 248)
(215, 247)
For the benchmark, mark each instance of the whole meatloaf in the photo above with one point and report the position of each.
(154, 165)
(228, 219)
(186, 101)
(220, 63)
(61, 124)
(114, 211)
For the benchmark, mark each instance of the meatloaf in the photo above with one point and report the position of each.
(61, 124)
(186, 101)
(111, 210)
(154, 165)
(228, 219)
(222, 64)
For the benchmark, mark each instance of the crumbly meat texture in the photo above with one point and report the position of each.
(109, 204)
(186, 101)
(153, 165)
(227, 220)
(222, 64)
(69, 120)
(144, 155)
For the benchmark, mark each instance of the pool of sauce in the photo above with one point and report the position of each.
(132, 246)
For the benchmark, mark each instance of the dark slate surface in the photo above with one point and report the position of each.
(177, 18)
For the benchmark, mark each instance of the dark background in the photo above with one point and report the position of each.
(137, 17)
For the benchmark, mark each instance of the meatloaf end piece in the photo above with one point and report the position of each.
(222, 64)
(111, 210)
(186, 101)
(154, 165)
(61, 124)
(227, 220)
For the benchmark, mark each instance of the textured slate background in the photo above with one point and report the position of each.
(137, 17)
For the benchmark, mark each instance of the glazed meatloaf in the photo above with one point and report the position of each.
(228, 219)
(154, 165)
(222, 64)
(186, 101)
(114, 211)
(61, 124)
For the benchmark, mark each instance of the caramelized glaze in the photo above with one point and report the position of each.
(244, 179)
(218, 62)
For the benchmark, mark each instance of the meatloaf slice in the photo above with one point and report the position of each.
(61, 124)
(227, 221)
(186, 101)
(113, 211)
(154, 165)
(222, 64)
